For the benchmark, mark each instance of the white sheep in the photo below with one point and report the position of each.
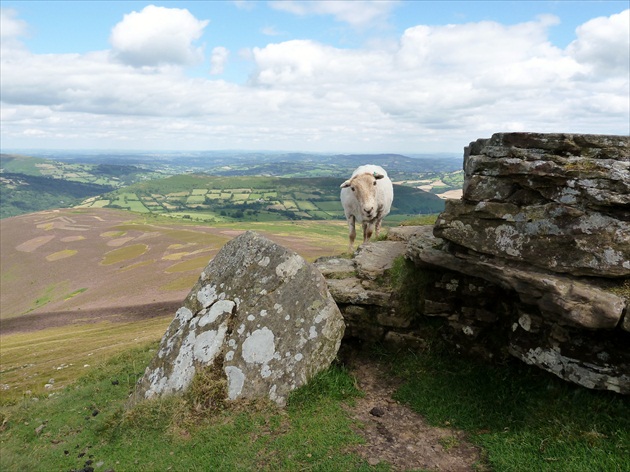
(366, 197)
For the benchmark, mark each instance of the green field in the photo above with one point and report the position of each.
(224, 199)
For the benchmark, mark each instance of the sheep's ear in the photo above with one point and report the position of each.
(346, 184)
(378, 176)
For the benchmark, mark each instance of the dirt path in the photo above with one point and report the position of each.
(397, 435)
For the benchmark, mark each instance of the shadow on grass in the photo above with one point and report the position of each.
(54, 319)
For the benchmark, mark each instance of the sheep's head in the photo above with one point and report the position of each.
(364, 188)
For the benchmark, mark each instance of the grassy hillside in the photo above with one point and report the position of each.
(110, 175)
(29, 184)
(65, 263)
(22, 193)
(252, 198)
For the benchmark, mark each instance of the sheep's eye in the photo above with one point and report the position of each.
(352, 188)
(375, 182)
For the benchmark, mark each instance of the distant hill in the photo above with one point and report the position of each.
(398, 167)
(29, 184)
(253, 198)
(22, 193)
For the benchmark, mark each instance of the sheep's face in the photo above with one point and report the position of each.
(363, 187)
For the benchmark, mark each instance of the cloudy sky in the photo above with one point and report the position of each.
(325, 76)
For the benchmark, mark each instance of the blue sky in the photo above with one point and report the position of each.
(356, 76)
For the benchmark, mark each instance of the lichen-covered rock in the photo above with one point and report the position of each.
(557, 237)
(259, 313)
(556, 201)
(361, 286)
(573, 327)
(545, 219)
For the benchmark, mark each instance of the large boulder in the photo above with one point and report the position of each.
(260, 314)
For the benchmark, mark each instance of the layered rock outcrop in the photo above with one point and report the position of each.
(260, 316)
(554, 201)
(546, 219)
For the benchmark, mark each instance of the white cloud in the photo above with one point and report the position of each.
(247, 5)
(218, 59)
(10, 25)
(358, 13)
(603, 44)
(437, 88)
(157, 36)
(271, 31)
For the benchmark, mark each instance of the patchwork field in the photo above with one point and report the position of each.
(250, 198)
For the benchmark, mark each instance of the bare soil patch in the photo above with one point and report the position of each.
(32, 244)
(399, 436)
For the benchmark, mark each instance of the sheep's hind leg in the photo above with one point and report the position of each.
(377, 228)
(352, 234)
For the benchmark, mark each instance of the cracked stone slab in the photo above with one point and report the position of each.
(373, 260)
(261, 314)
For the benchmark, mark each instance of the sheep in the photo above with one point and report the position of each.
(366, 197)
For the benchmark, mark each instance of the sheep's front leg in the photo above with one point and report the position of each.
(352, 234)
(367, 231)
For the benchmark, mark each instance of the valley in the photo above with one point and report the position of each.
(215, 186)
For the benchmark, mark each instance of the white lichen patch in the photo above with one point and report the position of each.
(265, 372)
(182, 372)
(259, 347)
(207, 295)
(312, 333)
(290, 267)
(236, 380)
(221, 307)
(208, 344)
(183, 315)
(508, 240)
(264, 262)
(612, 257)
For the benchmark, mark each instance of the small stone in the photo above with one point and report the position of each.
(377, 411)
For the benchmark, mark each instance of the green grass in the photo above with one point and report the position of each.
(29, 360)
(124, 253)
(88, 422)
(523, 418)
